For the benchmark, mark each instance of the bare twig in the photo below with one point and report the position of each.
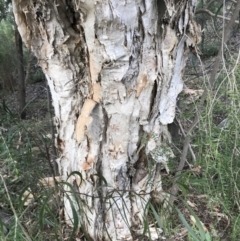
(210, 2)
(202, 10)
(184, 134)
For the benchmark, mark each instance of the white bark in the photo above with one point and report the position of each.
(114, 69)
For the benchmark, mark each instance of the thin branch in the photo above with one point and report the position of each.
(190, 147)
(210, 2)
(201, 10)
(233, 1)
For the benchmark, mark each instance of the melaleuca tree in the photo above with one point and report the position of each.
(115, 70)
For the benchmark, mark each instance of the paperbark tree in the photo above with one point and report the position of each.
(115, 70)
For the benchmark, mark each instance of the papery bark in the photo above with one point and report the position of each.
(115, 70)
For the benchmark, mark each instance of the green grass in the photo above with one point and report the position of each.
(23, 161)
(218, 150)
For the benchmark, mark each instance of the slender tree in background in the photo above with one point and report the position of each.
(115, 70)
(6, 61)
(4, 14)
(21, 77)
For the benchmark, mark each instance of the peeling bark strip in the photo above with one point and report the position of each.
(114, 69)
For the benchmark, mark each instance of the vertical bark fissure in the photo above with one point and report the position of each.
(100, 221)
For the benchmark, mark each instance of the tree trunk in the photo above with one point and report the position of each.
(115, 70)
(21, 78)
(28, 69)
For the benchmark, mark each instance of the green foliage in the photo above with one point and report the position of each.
(4, 9)
(211, 49)
(217, 144)
(24, 160)
(36, 77)
(8, 57)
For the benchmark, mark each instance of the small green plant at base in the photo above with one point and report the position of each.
(196, 231)
(36, 77)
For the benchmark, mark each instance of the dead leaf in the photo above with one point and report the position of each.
(196, 169)
(193, 205)
(194, 222)
(27, 197)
